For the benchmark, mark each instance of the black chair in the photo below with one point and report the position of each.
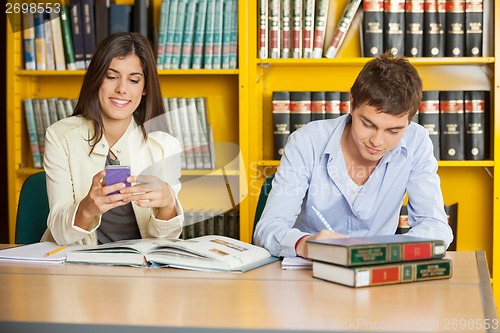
(261, 203)
(32, 210)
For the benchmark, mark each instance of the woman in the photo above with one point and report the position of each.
(119, 100)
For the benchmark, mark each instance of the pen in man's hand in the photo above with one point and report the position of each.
(322, 219)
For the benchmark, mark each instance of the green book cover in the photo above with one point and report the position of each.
(69, 53)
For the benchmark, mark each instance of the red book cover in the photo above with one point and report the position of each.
(384, 275)
(417, 251)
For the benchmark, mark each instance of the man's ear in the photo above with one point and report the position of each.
(350, 103)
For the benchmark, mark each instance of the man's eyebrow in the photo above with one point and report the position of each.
(117, 72)
(391, 128)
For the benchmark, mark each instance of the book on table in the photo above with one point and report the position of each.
(357, 251)
(210, 253)
(373, 275)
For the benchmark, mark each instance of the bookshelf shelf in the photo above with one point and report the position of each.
(163, 72)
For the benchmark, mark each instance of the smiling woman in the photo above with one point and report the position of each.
(119, 94)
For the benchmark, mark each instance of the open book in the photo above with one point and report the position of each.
(211, 253)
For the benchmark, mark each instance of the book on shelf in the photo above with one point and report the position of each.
(140, 14)
(345, 102)
(170, 31)
(476, 110)
(69, 53)
(208, 253)
(373, 28)
(414, 24)
(49, 43)
(367, 276)
(37, 110)
(300, 109)
(320, 20)
(187, 37)
(89, 30)
(76, 20)
(429, 118)
(226, 33)
(357, 251)
(175, 60)
(233, 38)
(40, 42)
(185, 131)
(281, 121)
(199, 35)
(57, 38)
(342, 27)
(162, 33)
(308, 28)
(434, 25)
(451, 122)
(32, 133)
(296, 34)
(474, 28)
(285, 31)
(217, 35)
(317, 105)
(101, 19)
(197, 138)
(332, 104)
(263, 30)
(394, 26)
(120, 18)
(207, 151)
(274, 8)
(29, 49)
(455, 28)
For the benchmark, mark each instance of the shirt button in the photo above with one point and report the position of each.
(103, 145)
(118, 151)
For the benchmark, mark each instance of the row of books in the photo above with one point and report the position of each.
(306, 28)
(198, 34)
(40, 113)
(456, 120)
(451, 213)
(378, 260)
(199, 223)
(185, 118)
(439, 28)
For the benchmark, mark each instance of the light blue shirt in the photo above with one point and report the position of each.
(313, 172)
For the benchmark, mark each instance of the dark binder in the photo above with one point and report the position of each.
(451, 108)
(373, 25)
(414, 25)
(281, 121)
(476, 131)
(455, 24)
(429, 117)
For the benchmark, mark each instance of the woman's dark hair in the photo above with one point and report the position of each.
(390, 84)
(119, 45)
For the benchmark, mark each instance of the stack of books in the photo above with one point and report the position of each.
(379, 260)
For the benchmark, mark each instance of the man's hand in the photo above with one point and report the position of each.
(301, 249)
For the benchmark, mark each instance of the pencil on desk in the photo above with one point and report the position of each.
(322, 219)
(54, 251)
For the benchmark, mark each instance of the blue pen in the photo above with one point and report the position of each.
(322, 219)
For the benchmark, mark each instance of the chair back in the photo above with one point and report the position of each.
(261, 203)
(32, 210)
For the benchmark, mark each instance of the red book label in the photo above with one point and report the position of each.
(384, 275)
(417, 251)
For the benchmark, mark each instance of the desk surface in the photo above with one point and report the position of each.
(81, 298)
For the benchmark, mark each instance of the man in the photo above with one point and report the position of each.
(353, 172)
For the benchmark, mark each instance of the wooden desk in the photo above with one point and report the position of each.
(86, 298)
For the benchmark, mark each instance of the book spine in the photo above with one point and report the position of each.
(373, 25)
(451, 107)
(32, 133)
(140, 17)
(281, 121)
(89, 33)
(319, 28)
(300, 109)
(40, 43)
(263, 29)
(217, 36)
(394, 23)
(52, 105)
(37, 110)
(342, 28)
(199, 226)
(474, 28)
(232, 224)
(434, 28)
(169, 44)
(414, 21)
(61, 109)
(274, 29)
(285, 38)
(186, 133)
(220, 223)
(455, 28)
(475, 125)
(209, 35)
(308, 29)
(187, 40)
(162, 34)
(69, 55)
(101, 20)
(429, 118)
(296, 29)
(226, 33)
(233, 50)
(49, 43)
(177, 127)
(120, 18)
(77, 33)
(199, 34)
(175, 61)
(332, 104)
(205, 148)
(196, 132)
(317, 105)
(345, 103)
(403, 224)
(29, 48)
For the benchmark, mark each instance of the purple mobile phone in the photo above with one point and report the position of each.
(116, 174)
